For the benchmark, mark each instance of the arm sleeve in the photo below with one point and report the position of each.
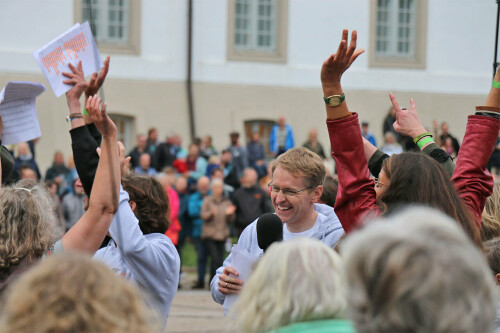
(85, 156)
(356, 193)
(440, 156)
(375, 163)
(471, 179)
(155, 265)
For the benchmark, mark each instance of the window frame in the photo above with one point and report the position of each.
(418, 59)
(279, 55)
(133, 45)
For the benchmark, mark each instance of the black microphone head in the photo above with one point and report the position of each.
(269, 230)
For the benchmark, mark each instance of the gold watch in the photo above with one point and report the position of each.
(334, 100)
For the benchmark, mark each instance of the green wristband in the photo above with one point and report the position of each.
(421, 143)
(419, 137)
(495, 84)
(85, 112)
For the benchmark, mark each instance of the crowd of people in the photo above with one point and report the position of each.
(404, 238)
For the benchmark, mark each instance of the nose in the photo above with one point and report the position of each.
(280, 197)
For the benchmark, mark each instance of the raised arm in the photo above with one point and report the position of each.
(471, 179)
(89, 232)
(356, 193)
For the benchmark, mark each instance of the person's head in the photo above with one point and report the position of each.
(313, 135)
(149, 202)
(414, 178)
(51, 187)
(23, 149)
(145, 161)
(141, 141)
(281, 122)
(71, 162)
(234, 137)
(417, 272)
(492, 254)
(203, 185)
(297, 179)
(390, 138)
(181, 184)
(59, 158)
(193, 150)
(364, 127)
(448, 145)
(330, 188)
(27, 223)
(207, 141)
(217, 173)
(249, 178)
(444, 127)
(72, 293)
(77, 187)
(392, 112)
(217, 188)
(27, 172)
(490, 226)
(255, 137)
(226, 156)
(152, 134)
(295, 281)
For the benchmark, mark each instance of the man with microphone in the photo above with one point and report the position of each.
(296, 186)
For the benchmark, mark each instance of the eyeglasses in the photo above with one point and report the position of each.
(286, 191)
(378, 184)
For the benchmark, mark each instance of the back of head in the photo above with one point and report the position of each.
(330, 188)
(304, 162)
(492, 253)
(295, 281)
(27, 224)
(490, 226)
(73, 293)
(417, 179)
(418, 272)
(153, 208)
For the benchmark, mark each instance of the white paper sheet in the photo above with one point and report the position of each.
(74, 45)
(243, 262)
(18, 111)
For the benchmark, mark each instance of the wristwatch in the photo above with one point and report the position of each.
(334, 100)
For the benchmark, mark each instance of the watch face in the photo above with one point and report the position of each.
(334, 100)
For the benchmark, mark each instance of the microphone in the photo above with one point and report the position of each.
(269, 230)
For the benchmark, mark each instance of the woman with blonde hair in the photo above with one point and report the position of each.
(73, 293)
(297, 286)
(491, 215)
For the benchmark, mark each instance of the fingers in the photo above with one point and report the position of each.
(352, 45)
(103, 109)
(395, 104)
(98, 150)
(72, 67)
(80, 66)
(121, 150)
(342, 46)
(413, 105)
(230, 270)
(104, 71)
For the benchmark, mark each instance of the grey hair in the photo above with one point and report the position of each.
(216, 181)
(298, 280)
(418, 272)
(27, 223)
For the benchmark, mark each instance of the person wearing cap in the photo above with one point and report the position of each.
(367, 134)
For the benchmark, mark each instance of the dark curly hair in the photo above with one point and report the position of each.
(153, 206)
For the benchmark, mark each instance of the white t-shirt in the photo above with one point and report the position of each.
(287, 235)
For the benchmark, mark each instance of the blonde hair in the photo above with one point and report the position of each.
(298, 280)
(418, 272)
(491, 215)
(72, 293)
(27, 224)
(301, 161)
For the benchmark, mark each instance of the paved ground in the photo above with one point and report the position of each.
(195, 311)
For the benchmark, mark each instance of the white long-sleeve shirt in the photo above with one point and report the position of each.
(150, 261)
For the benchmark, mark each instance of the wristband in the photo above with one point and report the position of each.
(419, 137)
(423, 141)
(495, 84)
(73, 116)
(85, 112)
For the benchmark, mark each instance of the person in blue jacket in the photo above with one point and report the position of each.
(281, 138)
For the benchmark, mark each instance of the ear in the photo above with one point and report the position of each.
(318, 191)
(133, 205)
(497, 277)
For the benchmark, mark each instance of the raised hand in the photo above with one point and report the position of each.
(97, 80)
(407, 121)
(338, 63)
(124, 160)
(77, 78)
(99, 116)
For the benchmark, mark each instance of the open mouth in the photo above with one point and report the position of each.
(283, 209)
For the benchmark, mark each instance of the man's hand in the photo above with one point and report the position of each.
(230, 210)
(338, 63)
(124, 160)
(229, 284)
(99, 116)
(76, 78)
(97, 80)
(407, 121)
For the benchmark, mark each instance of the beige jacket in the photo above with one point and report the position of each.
(216, 226)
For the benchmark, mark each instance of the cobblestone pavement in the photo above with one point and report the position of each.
(196, 312)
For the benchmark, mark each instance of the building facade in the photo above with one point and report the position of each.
(255, 60)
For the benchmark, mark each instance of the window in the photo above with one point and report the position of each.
(398, 33)
(115, 23)
(257, 30)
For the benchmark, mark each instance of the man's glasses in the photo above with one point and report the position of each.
(286, 191)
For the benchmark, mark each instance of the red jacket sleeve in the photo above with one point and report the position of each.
(471, 179)
(356, 192)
